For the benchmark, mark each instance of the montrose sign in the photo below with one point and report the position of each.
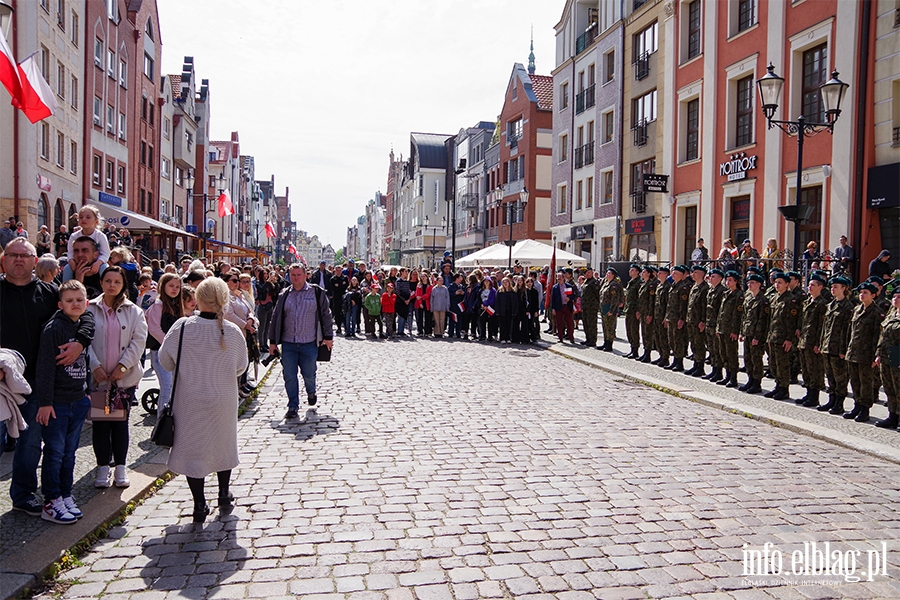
(737, 167)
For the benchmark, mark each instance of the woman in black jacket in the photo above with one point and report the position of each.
(507, 306)
(532, 309)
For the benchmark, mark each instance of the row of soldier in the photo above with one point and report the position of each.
(828, 331)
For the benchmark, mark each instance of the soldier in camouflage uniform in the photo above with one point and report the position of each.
(812, 361)
(590, 307)
(795, 286)
(728, 326)
(884, 303)
(784, 325)
(714, 297)
(611, 298)
(632, 323)
(865, 326)
(676, 316)
(646, 303)
(696, 315)
(754, 330)
(835, 336)
(890, 374)
(661, 337)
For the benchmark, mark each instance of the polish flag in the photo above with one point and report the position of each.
(462, 307)
(36, 99)
(293, 250)
(489, 310)
(9, 72)
(225, 206)
(270, 231)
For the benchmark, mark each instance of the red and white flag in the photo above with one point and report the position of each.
(462, 307)
(9, 71)
(225, 206)
(550, 278)
(489, 310)
(293, 250)
(36, 99)
(270, 231)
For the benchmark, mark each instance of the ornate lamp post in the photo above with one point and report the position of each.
(512, 209)
(434, 235)
(189, 185)
(833, 92)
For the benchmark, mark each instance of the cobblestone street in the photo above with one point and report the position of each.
(439, 469)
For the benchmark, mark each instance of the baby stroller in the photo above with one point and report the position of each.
(150, 400)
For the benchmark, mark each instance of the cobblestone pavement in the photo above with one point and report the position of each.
(438, 469)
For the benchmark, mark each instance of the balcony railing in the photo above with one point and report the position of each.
(639, 3)
(638, 201)
(585, 99)
(896, 140)
(586, 39)
(640, 133)
(513, 142)
(642, 66)
(584, 155)
(579, 157)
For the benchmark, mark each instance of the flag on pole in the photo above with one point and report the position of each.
(462, 307)
(36, 99)
(9, 71)
(551, 277)
(489, 310)
(270, 231)
(293, 250)
(225, 206)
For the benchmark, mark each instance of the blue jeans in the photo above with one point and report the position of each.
(61, 437)
(303, 356)
(27, 455)
(350, 320)
(165, 380)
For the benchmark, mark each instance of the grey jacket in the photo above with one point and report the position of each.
(324, 324)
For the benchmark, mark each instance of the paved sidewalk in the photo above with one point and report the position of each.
(445, 469)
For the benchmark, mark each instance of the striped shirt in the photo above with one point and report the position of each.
(300, 316)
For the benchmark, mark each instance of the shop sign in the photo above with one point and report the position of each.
(737, 167)
(582, 232)
(740, 210)
(639, 225)
(110, 199)
(655, 182)
(883, 191)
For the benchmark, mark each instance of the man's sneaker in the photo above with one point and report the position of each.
(290, 414)
(73, 509)
(102, 480)
(243, 394)
(31, 507)
(311, 398)
(55, 511)
(121, 477)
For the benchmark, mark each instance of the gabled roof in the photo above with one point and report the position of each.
(430, 148)
(543, 89)
(175, 80)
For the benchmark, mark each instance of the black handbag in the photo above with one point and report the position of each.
(324, 354)
(164, 431)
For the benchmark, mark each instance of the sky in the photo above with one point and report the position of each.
(319, 91)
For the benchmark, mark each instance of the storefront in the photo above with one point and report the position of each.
(641, 239)
(155, 238)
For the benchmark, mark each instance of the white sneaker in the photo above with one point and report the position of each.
(55, 511)
(121, 477)
(102, 480)
(73, 509)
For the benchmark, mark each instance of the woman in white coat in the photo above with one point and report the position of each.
(205, 396)
(120, 334)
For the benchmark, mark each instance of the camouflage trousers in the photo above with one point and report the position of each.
(712, 342)
(813, 367)
(729, 349)
(753, 359)
(838, 374)
(862, 381)
(678, 339)
(698, 342)
(780, 364)
(662, 342)
(609, 327)
(648, 331)
(890, 378)
(589, 315)
(633, 331)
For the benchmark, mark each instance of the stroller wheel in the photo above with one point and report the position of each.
(150, 400)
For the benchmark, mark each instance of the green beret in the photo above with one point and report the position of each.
(865, 285)
(734, 275)
(754, 269)
(793, 275)
(786, 277)
(649, 269)
(755, 277)
(680, 268)
(634, 266)
(717, 271)
(613, 271)
(698, 268)
(664, 268)
(876, 280)
(841, 280)
(817, 277)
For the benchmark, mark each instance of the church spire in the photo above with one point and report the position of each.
(531, 67)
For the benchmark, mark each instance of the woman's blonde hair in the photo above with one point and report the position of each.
(212, 292)
(96, 211)
(248, 295)
(45, 265)
(123, 254)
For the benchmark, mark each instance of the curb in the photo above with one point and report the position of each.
(838, 438)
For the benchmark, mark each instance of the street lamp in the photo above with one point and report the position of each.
(513, 208)
(6, 13)
(833, 92)
(189, 184)
(434, 235)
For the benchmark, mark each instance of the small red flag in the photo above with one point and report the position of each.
(270, 231)
(225, 206)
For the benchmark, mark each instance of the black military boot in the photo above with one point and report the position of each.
(677, 365)
(699, 369)
(781, 393)
(607, 347)
(645, 358)
(838, 408)
(863, 416)
(726, 379)
(755, 386)
(772, 393)
(746, 386)
(732, 380)
(857, 409)
(711, 374)
(631, 354)
(804, 398)
(832, 400)
(892, 421)
(812, 398)
(716, 375)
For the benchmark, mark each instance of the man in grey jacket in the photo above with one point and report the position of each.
(301, 322)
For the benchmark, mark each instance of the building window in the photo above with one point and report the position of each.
(73, 157)
(607, 187)
(45, 141)
(150, 157)
(646, 42)
(638, 197)
(60, 149)
(692, 146)
(514, 132)
(609, 123)
(564, 147)
(609, 66)
(45, 4)
(164, 167)
(143, 153)
(643, 109)
(589, 196)
(121, 126)
(95, 170)
(109, 174)
(110, 119)
(111, 63)
(166, 125)
(121, 181)
(143, 201)
(144, 108)
(45, 63)
(607, 244)
(151, 110)
(179, 176)
(564, 95)
(123, 73)
(148, 66)
(744, 112)
(579, 195)
(98, 111)
(693, 48)
(61, 14)
(60, 80)
(98, 52)
(149, 29)
(562, 192)
(690, 233)
(42, 210)
(73, 93)
(815, 73)
(811, 228)
(746, 14)
(74, 29)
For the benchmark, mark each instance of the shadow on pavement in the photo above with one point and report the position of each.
(308, 426)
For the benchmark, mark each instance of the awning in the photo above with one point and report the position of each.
(135, 222)
(241, 249)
